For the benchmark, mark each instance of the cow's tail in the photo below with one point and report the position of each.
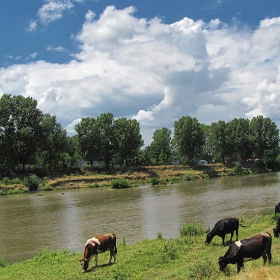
(115, 243)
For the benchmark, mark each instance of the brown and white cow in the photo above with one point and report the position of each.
(96, 245)
(247, 250)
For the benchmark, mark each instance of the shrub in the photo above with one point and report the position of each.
(190, 176)
(32, 182)
(120, 184)
(154, 181)
(159, 235)
(2, 263)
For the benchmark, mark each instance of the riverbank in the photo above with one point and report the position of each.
(94, 178)
(187, 257)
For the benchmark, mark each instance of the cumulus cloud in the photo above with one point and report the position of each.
(155, 72)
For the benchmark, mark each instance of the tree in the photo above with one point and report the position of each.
(106, 130)
(188, 139)
(160, 147)
(128, 140)
(89, 138)
(19, 130)
(51, 152)
(219, 139)
(239, 133)
(264, 136)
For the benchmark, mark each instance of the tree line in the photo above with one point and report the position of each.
(29, 138)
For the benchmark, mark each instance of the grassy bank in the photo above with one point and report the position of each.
(187, 257)
(88, 178)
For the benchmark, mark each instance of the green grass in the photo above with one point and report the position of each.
(187, 257)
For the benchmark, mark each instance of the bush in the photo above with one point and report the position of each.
(2, 263)
(32, 182)
(154, 181)
(120, 184)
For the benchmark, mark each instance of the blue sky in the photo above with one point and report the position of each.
(155, 61)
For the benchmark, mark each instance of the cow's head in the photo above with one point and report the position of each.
(89, 251)
(222, 264)
(84, 263)
(208, 238)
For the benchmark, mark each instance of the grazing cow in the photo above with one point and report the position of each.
(247, 250)
(222, 227)
(276, 230)
(277, 208)
(96, 245)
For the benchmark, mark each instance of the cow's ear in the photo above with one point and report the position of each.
(80, 260)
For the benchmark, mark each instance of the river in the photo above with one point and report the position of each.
(66, 219)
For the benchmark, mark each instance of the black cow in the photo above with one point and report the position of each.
(246, 250)
(276, 230)
(222, 227)
(96, 245)
(277, 208)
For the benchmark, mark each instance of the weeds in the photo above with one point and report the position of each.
(120, 184)
(192, 230)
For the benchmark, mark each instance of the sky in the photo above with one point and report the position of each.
(153, 61)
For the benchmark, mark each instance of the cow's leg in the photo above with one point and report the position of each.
(264, 257)
(223, 239)
(96, 259)
(239, 265)
(231, 235)
(236, 234)
(111, 254)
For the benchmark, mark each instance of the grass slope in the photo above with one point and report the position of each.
(187, 257)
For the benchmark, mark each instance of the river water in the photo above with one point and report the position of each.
(66, 219)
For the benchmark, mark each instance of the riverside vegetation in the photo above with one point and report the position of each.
(94, 178)
(186, 257)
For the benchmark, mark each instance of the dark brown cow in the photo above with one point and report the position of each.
(96, 245)
(276, 230)
(246, 250)
(277, 208)
(222, 227)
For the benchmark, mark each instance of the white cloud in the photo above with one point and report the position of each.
(53, 10)
(56, 49)
(157, 73)
(32, 26)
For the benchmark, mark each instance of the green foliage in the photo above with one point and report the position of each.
(192, 230)
(91, 186)
(203, 270)
(155, 181)
(120, 183)
(13, 181)
(190, 176)
(2, 263)
(188, 138)
(32, 182)
(159, 235)
(169, 250)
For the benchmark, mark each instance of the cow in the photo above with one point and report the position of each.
(222, 227)
(96, 245)
(276, 230)
(277, 208)
(247, 250)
